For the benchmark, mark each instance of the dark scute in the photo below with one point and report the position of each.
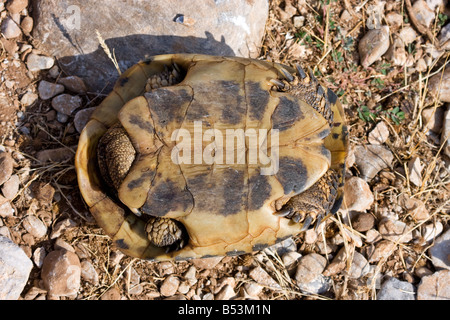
(234, 192)
(258, 98)
(121, 244)
(332, 97)
(166, 104)
(166, 196)
(259, 191)
(141, 123)
(292, 175)
(230, 189)
(149, 175)
(286, 114)
(234, 108)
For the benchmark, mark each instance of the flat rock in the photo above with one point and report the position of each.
(169, 286)
(309, 267)
(16, 6)
(15, 268)
(379, 134)
(440, 251)
(82, 118)
(357, 195)
(394, 289)
(34, 226)
(48, 90)
(370, 159)
(6, 210)
(10, 29)
(363, 222)
(440, 87)
(373, 45)
(206, 263)
(36, 62)
(6, 166)
(435, 286)
(394, 230)
(66, 103)
(67, 30)
(61, 272)
(263, 278)
(73, 83)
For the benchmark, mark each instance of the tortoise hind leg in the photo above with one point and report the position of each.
(318, 201)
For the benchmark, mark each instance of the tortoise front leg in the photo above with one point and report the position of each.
(318, 201)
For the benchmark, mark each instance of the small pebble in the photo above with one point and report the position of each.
(383, 249)
(16, 6)
(54, 155)
(415, 171)
(206, 263)
(226, 293)
(27, 25)
(82, 117)
(370, 159)
(11, 187)
(394, 230)
(10, 29)
(263, 278)
(373, 45)
(6, 166)
(35, 226)
(379, 134)
(357, 195)
(48, 90)
(6, 210)
(15, 268)
(432, 230)
(440, 251)
(363, 222)
(309, 267)
(66, 103)
(61, 273)
(169, 286)
(37, 62)
(394, 289)
(435, 286)
(28, 99)
(253, 288)
(39, 256)
(111, 294)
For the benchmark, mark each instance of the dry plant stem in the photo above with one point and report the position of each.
(68, 202)
(108, 52)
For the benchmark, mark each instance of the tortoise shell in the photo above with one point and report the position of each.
(254, 148)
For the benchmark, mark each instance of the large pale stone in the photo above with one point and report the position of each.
(132, 29)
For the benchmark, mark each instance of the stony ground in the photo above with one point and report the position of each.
(390, 239)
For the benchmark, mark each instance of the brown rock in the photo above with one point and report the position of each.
(16, 6)
(357, 195)
(309, 267)
(206, 263)
(363, 222)
(27, 25)
(370, 159)
(263, 278)
(394, 230)
(373, 45)
(6, 166)
(169, 286)
(61, 272)
(435, 286)
(54, 155)
(382, 250)
(111, 294)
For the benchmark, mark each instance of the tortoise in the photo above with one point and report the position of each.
(282, 173)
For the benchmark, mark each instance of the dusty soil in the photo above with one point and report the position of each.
(369, 95)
